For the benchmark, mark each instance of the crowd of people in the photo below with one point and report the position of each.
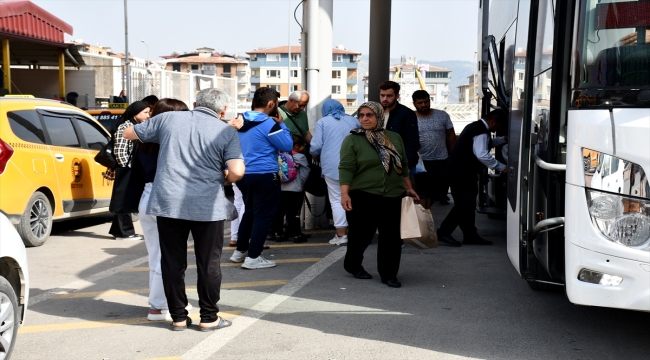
(368, 164)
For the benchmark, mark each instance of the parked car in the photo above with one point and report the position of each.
(107, 117)
(14, 286)
(47, 167)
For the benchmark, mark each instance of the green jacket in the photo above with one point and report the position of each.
(361, 168)
(300, 120)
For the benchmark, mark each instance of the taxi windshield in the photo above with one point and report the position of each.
(613, 44)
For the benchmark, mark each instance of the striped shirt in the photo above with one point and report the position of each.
(327, 139)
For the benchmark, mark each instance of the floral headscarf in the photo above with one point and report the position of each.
(384, 147)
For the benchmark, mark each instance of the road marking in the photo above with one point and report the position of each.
(92, 279)
(113, 292)
(213, 343)
(109, 323)
(231, 264)
(278, 246)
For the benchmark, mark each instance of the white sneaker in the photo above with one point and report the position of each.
(258, 263)
(238, 256)
(164, 315)
(132, 237)
(339, 240)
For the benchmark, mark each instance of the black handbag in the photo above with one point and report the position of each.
(127, 188)
(106, 157)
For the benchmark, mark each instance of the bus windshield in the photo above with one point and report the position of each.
(613, 44)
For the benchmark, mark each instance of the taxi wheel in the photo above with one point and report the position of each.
(36, 223)
(9, 315)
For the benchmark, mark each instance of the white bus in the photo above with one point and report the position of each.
(574, 76)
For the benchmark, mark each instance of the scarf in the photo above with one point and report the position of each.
(378, 139)
(333, 108)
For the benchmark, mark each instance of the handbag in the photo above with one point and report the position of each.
(231, 211)
(127, 188)
(106, 157)
(417, 226)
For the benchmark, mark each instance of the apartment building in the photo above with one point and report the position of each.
(270, 67)
(205, 61)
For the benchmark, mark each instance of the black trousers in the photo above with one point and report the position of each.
(434, 183)
(261, 193)
(464, 189)
(122, 226)
(208, 244)
(369, 213)
(290, 206)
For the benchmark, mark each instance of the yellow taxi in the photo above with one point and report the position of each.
(47, 167)
(109, 117)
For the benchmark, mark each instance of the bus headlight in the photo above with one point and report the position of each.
(621, 219)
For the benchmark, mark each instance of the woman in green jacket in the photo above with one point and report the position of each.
(374, 177)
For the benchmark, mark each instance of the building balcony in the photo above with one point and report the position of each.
(226, 74)
(255, 80)
(241, 72)
(352, 81)
(243, 96)
(351, 96)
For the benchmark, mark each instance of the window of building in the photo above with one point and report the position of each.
(274, 87)
(273, 73)
(336, 74)
(95, 138)
(61, 131)
(27, 126)
(337, 58)
(253, 88)
(294, 88)
(294, 73)
(253, 57)
(226, 68)
(436, 75)
(195, 67)
(336, 89)
(521, 75)
(253, 72)
(272, 57)
(176, 67)
(208, 67)
(295, 57)
(521, 60)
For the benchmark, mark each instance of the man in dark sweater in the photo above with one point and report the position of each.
(467, 160)
(402, 120)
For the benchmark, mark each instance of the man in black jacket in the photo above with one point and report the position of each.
(468, 158)
(402, 120)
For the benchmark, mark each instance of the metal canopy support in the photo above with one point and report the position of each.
(6, 65)
(62, 74)
(379, 53)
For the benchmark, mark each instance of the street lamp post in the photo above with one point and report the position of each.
(126, 50)
(147, 45)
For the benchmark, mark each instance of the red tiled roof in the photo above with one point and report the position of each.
(296, 50)
(24, 19)
(206, 60)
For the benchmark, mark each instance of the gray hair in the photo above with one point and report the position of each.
(297, 95)
(213, 99)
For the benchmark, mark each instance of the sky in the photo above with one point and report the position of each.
(433, 30)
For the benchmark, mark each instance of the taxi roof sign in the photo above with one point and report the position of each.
(118, 105)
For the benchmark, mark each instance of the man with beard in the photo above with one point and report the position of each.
(400, 119)
(262, 136)
(293, 112)
(437, 139)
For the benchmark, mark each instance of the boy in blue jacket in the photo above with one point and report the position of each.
(261, 137)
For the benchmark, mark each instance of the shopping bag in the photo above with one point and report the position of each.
(419, 167)
(416, 225)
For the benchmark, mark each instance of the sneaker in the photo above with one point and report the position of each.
(189, 307)
(159, 315)
(238, 256)
(132, 237)
(258, 263)
(339, 240)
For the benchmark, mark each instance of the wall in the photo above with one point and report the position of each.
(45, 83)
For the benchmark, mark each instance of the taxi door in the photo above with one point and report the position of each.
(95, 138)
(72, 163)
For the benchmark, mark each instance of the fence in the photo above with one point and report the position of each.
(181, 86)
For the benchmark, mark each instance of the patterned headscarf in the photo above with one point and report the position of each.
(384, 147)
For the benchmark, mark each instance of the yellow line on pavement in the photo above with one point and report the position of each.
(230, 264)
(108, 323)
(92, 294)
(278, 246)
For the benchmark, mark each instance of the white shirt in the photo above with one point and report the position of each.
(483, 143)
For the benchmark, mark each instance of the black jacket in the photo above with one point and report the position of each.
(462, 159)
(403, 121)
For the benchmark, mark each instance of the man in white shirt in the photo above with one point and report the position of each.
(468, 158)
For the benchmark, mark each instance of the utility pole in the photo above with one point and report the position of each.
(379, 51)
(289, 44)
(126, 50)
(147, 45)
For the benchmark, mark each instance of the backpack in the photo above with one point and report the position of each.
(288, 167)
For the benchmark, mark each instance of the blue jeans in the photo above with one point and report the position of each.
(261, 193)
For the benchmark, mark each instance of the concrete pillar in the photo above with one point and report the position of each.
(6, 65)
(379, 52)
(62, 74)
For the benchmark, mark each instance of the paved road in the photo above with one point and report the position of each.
(89, 301)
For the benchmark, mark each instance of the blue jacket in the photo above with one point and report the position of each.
(261, 138)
